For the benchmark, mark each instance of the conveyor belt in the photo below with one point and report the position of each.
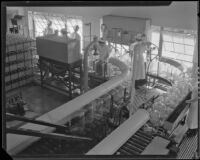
(187, 148)
(136, 144)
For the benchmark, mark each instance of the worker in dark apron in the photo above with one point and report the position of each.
(75, 34)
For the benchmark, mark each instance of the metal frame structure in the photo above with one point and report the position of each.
(69, 75)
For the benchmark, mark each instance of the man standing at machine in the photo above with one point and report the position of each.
(49, 29)
(138, 48)
(75, 34)
(138, 74)
(104, 52)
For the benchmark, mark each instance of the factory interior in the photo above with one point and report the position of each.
(102, 80)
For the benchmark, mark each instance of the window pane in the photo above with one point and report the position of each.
(177, 44)
(189, 41)
(178, 39)
(167, 37)
(189, 50)
(168, 46)
(187, 64)
(179, 48)
(169, 54)
(185, 57)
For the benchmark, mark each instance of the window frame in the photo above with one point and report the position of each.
(184, 33)
(56, 18)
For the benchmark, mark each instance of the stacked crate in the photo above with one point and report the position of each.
(18, 61)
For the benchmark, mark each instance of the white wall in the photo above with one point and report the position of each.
(177, 15)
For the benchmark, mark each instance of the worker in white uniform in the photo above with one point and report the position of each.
(138, 73)
(104, 31)
(104, 52)
(138, 48)
(49, 29)
(75, 34)
(192, 117)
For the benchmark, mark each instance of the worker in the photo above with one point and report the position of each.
(49, 29)
(138, 48)
(138, 74)
(75, 34)
(192, 117)
(104, 31)
(104, 51)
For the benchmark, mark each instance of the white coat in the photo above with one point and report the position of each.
(192, 117)
(139, 48)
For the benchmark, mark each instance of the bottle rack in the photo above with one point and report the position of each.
(19, 61)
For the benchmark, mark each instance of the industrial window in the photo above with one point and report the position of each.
(155, 38)
(38, 22)
(177, 44)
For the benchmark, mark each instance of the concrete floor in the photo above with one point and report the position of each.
(41, 100)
